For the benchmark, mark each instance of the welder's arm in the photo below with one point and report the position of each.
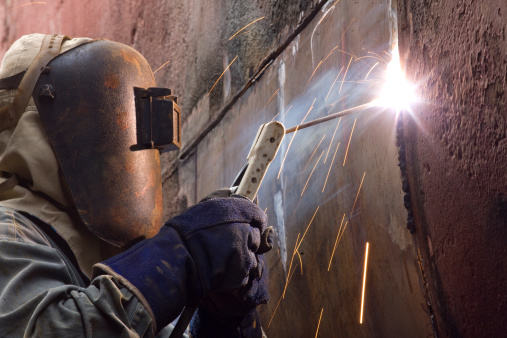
(39, 296)
(208, 250)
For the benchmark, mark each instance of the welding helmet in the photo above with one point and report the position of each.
(107, 123)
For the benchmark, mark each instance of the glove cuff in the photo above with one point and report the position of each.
(163, 271)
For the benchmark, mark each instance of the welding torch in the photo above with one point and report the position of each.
(247, 183)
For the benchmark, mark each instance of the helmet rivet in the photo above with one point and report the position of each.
(47, 93)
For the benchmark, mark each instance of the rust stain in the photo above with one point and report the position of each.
(131, 58)
(112, 81)
(131, 166)
(150, 184)
(122, 119)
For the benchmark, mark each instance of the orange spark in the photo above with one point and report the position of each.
(322, 139)
(294, 212)
(343, 231)
(300, 262)
(271, 99)
(161, 66)
(328, 55)
(333, 84)
(265, 209)
(371, 70)
(293, 137)
(347, 28)
(222, 74)
(337, 1)
(245, 27)
(308, 227)
(287, 111)
(290, 265)
(313, 73)
(336, 242)
(331, 166)
(364, 282)
(276, 308)
(357, 193)
(332, 138)
(378, 56)
(346, 152)
(30, 3)
(344, 75)
(318, 325)
(315, 166)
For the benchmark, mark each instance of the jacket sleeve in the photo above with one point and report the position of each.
(38, 297)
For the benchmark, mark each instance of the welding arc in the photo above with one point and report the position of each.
(331, 117)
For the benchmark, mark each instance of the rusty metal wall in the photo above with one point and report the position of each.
(455, 147)
(456, 158)
(362, 182)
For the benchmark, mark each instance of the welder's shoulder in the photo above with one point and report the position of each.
(15, 227)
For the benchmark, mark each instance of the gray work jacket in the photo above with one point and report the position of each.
(42, 293)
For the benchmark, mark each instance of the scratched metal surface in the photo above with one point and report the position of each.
(362, 183)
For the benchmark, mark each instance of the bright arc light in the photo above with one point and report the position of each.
(396, 92)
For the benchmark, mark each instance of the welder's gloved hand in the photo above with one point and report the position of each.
(210, 248)
(206, 324)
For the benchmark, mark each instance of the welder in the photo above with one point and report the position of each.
(83, 247)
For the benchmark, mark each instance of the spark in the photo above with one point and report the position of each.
(344, 75)
(349, 142)
(313, 73)
(222, 74)
(245, 27)
(245, 32)
(337, 1)
(364, 282)
(265, 209)
(322, 139)
(328, 55)
(293, 137)
(347, 28)
(281, 297)
(335, 243)
(275, 117)
(30, 3)
(378, 56)
(318, 325)
(358, 193)
(294, 212)
(371, 70)
(332, 138)
(290, 265)
(287, 111)
(308, 227)
(315, 166)
(271, 99)
(343, 231)
(300, 262)
(161, 66)
(332, 104)
(330, 166)
(333, 84)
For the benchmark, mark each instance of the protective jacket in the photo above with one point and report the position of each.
(43, 293)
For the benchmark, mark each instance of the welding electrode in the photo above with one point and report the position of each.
(331, 117)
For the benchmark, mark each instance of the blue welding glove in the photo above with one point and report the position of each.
(210, 248)
(206, 324)
(233, 314)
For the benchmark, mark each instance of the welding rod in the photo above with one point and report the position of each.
(332, 116)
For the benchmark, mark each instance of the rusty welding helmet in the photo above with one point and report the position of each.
(88, 98)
